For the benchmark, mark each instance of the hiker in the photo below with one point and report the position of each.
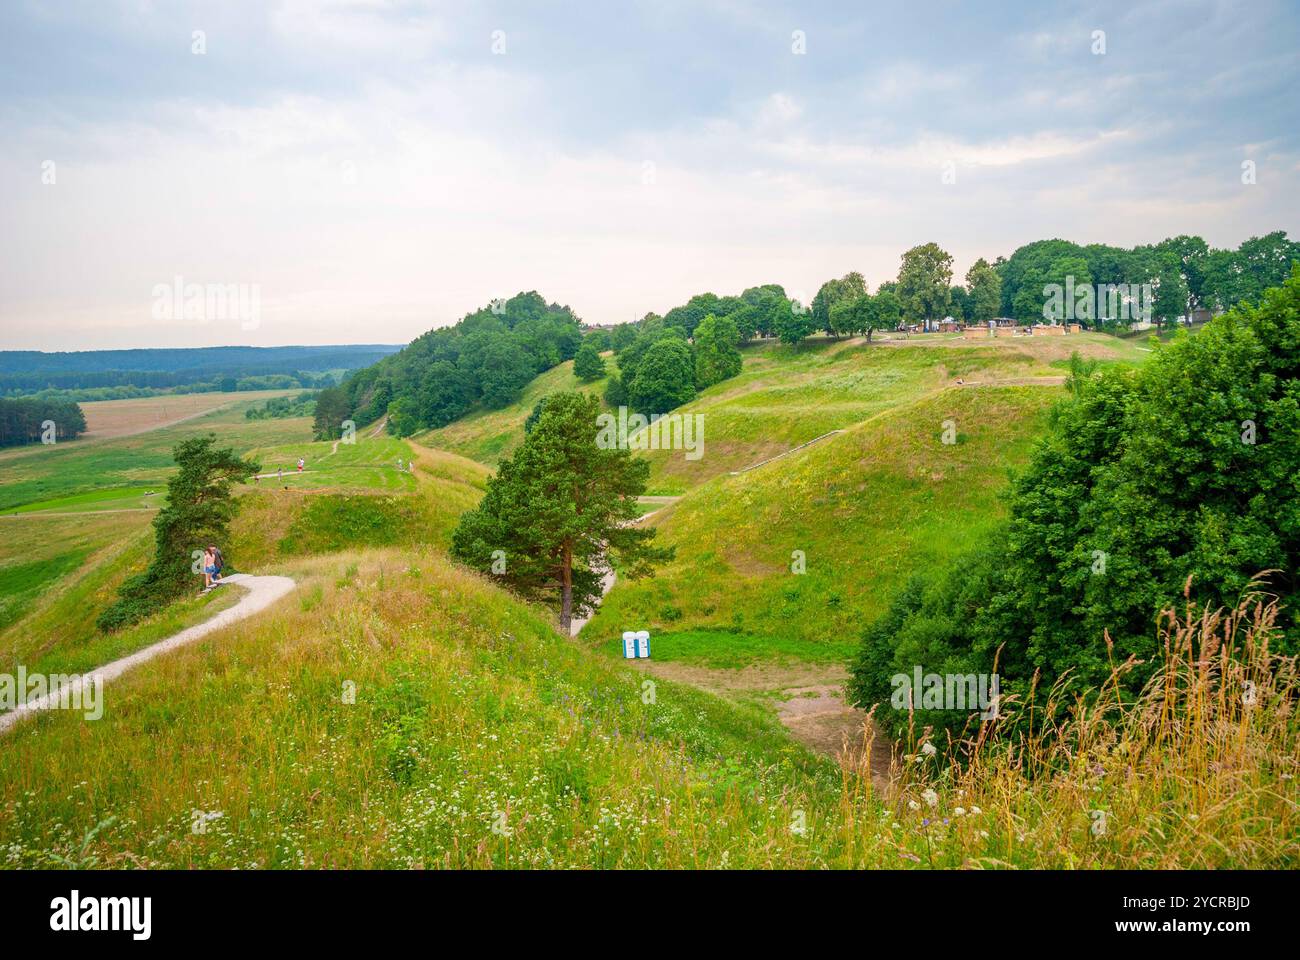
(218, 562)
(208, 567)
(279, 472)
(301, 463)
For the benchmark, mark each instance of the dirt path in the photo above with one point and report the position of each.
(809, 702)
(262, 592)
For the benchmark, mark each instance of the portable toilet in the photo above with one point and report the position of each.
(629, 644)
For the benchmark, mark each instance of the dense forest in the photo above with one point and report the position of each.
(120, 374)
(24, 421)
(487, 358)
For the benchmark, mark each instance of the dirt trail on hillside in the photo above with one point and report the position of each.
(809, 702)
(262, 592)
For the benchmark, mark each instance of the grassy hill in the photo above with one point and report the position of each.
(396, 711)
(785, 396)
(470, 713)
(867, 507)
(63, 558)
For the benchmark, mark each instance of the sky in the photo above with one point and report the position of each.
(364, 170)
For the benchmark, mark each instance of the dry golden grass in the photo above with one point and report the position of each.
(1199, 771)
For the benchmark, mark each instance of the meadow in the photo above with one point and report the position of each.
(398, 710)
(35, 476)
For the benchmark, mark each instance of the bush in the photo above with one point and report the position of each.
(588, 365)
(665, 378)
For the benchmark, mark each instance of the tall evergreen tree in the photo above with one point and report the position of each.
(559, 511)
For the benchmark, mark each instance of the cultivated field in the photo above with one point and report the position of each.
(123, 418)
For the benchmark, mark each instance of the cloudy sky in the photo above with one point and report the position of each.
(380, 167)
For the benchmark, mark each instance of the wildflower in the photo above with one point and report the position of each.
(930, 797)
(976, 810)
(960, 811)
(913, 805)
(928, 749)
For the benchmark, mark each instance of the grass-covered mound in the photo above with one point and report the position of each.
(868, 508)
(1181, 478)
(785, 396)
(478, 737)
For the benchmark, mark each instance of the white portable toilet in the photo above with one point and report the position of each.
(629, 644)
(643, 644)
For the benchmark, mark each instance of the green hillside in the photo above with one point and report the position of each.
(786, 396)
(867, 507)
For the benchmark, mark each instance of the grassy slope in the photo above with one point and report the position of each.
(53, 629)
(57, 574)
(470, 710)
(478, 737)
(868, 507)
(489, 436)
(785, 396)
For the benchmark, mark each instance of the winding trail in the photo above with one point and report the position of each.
(262, 592)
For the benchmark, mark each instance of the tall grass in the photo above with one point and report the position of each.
(1197, 771)
(480, 737)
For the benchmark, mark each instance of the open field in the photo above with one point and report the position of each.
(106, 419)
(37, 473)
(867, 508)
(367, 463)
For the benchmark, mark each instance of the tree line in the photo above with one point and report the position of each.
(24, 421)
(663, 361)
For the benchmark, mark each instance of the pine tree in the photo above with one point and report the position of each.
(198, 512)
(559, 510)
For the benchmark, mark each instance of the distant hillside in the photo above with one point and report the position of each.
(25, 372)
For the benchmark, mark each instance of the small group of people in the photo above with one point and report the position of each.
(213, 562)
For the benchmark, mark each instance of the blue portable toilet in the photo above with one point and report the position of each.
(643, 644)
(629, 644)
